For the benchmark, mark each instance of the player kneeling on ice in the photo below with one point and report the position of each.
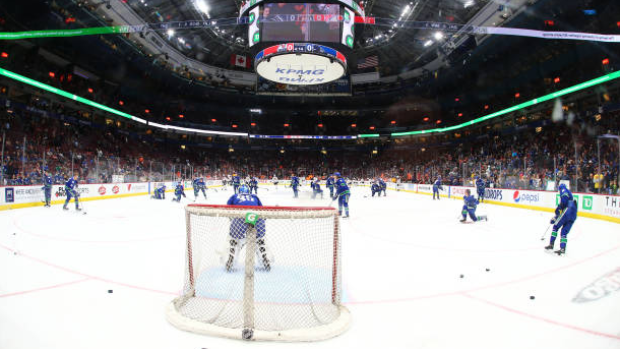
(316, 188)
(238, 228)
(159, 193)
(470, 207)
(376, 189)
(565, 216)
(71, 191)
(199, 186)
(178, 192)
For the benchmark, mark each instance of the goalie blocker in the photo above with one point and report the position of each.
(296, 298)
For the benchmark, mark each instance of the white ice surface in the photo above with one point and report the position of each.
(402, 259)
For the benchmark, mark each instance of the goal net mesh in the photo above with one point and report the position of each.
(278, 278)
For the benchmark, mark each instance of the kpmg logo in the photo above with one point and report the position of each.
(518, 197)
(600, 288)
(300, 74)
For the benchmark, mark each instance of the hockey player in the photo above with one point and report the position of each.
(159, 193)
(178, 192)
(342, 194)
(199, 186)
(254, 185)
(470, 207)
(565, 216)
(47, 188)
(480, 186)
(236, 182)
(238, 228)
(330, 185)
(437, 187)
(376, 189)
(316, 188)
(295, 185)
(382, 187)
(71, 191)
(275, 181)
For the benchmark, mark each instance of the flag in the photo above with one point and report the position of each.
(239, 61)
(368, 62)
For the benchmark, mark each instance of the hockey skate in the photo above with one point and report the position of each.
(560, 252)
(549, 247)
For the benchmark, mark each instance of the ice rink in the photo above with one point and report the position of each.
(403, 257)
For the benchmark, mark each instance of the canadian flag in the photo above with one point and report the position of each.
(239, 61)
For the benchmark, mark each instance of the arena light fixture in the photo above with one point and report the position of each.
(584, 85)
(202, 6)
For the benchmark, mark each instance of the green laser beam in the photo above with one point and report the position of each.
(568, 90)
(600, 80)
(63, 33)
(51, 89)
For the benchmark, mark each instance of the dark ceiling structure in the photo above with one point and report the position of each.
(426, 76)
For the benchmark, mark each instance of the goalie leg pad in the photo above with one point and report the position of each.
(262, 250)
(231, 254)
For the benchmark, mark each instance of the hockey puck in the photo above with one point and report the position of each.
(488, 269)
(532, 297)
(462, 276)
(110, 291)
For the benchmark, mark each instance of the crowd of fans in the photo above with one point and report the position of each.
(41, 138)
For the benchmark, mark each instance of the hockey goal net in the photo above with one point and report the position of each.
(261, 273)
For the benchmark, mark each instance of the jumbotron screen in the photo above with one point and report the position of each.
(301, 22)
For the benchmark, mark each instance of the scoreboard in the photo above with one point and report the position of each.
(301, 43)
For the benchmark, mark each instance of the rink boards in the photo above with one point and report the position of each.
(21, 196)
(604, 207)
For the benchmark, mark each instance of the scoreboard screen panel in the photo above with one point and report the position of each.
(301, 22)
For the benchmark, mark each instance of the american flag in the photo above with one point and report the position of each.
(368, 62)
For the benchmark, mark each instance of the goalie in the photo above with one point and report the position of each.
(238, 228)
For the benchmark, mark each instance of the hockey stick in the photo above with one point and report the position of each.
(331, 204)
(556, 220)
(81, 204)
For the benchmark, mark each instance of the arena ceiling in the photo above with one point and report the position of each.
(398, 47)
